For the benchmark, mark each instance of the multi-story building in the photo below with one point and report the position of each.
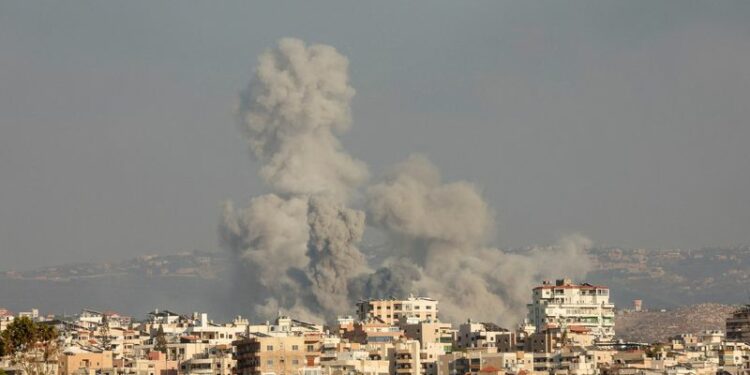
(356, 362)
(79, 360)
(405, 358)
(390, 311)
(263, 354)
(565, 303)
(733, 357)
(431, 334)
(481, 361)
(371, 332)
(216, 361)
(6, 317)
(738, 325)
(482, 335)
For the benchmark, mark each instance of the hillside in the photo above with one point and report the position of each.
(652, 326)
(663, 279)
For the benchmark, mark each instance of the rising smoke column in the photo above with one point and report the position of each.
(299, 243)
(441, 229)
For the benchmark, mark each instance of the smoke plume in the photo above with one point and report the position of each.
(298, 246)
(442, 228)
(299, 243)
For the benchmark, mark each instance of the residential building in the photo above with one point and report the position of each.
(263, 354)
(6, 317)
(405, 359)
(481, 335)
(738, 325)
(75, 360)
(565, 303)
(389, 311)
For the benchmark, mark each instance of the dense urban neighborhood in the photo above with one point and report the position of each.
(569, 329)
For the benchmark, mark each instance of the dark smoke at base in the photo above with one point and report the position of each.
(299, 244)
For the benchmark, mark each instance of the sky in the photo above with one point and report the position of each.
(627, 122)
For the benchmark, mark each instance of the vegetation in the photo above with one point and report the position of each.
(104, 333)
(31, 346)
(160, 341)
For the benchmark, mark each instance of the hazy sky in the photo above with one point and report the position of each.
(626, 121)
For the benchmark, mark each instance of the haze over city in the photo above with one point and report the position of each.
(383, 188)
(624, 122)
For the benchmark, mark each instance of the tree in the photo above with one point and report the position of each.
(160, 341)
(31, 346)
(104, 333)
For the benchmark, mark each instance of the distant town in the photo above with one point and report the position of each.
(569, 329)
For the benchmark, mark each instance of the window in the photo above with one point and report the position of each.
(310, 348)
(269, 362)
(295, 347)
(269, 347)
(295, 361)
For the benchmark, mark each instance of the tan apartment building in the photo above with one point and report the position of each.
(76, 360)
(479, 361)
(430, 332)
(217, 361)
(405, 358)
(281, 355)
(390, 311)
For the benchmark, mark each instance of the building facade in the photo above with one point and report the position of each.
(390, 311)
(284, 355)
(738, 325)
(565, 304)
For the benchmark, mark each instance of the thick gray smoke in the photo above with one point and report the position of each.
(298, 245)
(442, 229)
(300, 98)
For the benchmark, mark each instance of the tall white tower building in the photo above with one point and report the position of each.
(564, 304)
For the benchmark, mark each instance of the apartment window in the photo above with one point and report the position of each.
(429, 307)
(310, 348)
(295, 361)
(295, 347)
(269, 362)
(269, 347)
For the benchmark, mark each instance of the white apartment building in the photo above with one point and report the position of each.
(390, 311)
(6, 317)
(565, 304)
